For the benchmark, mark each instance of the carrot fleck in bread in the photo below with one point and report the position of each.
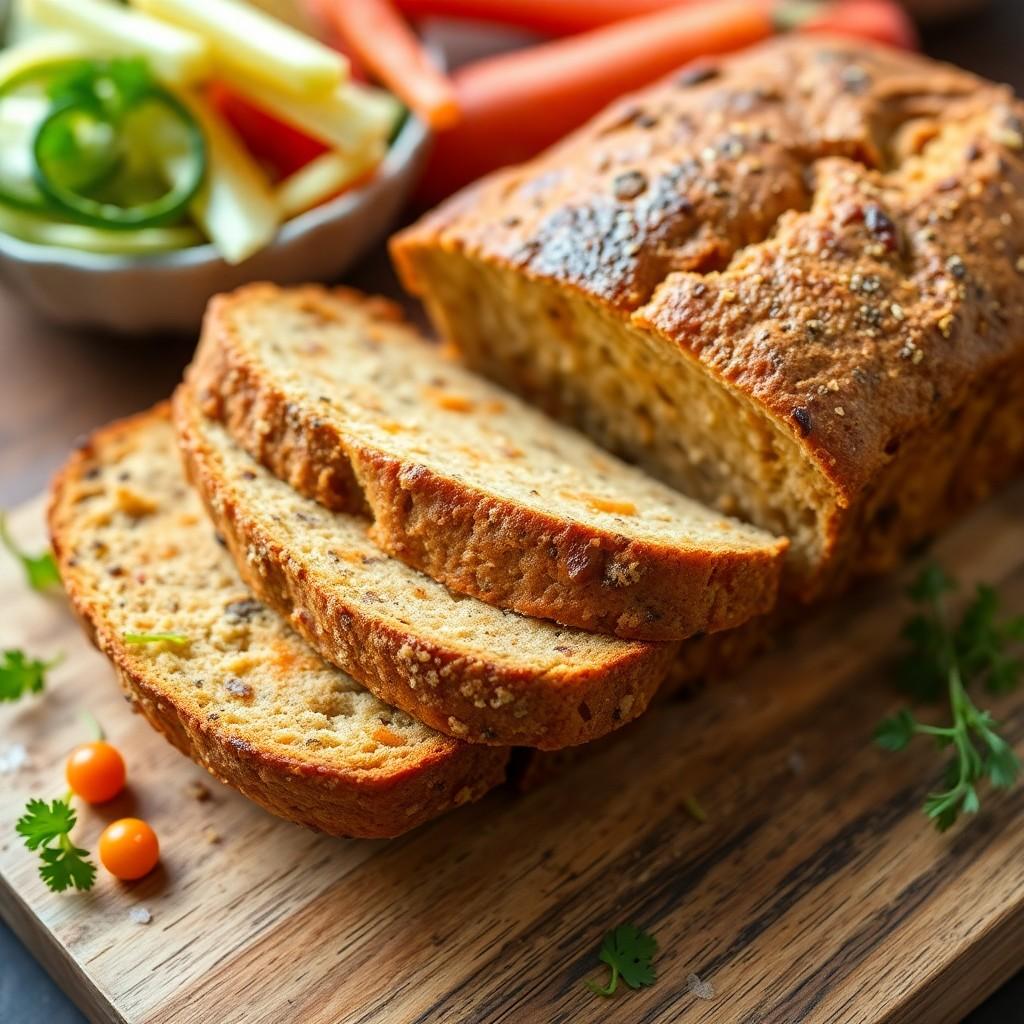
(789, 282)
(464, 481)
(459, 665)
(244, 697)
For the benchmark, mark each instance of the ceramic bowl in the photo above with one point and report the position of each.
(169, 291)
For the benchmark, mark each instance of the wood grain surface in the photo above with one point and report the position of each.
(816, 892)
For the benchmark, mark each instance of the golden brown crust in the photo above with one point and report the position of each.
(359, 804)
(477, 542)
(469, 698)
(834, 231)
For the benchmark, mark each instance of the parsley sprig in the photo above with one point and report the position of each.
(629, 952)
(948, 658)
(40, 570)
(20, 674)
(46, 827)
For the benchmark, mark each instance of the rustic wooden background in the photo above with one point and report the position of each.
(56, 384)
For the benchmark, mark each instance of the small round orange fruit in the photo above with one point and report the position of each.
(95, 771)
(129, 848)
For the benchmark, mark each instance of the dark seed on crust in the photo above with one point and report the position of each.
(802, 416)
(629, 185)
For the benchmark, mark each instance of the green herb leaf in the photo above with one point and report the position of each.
(629, 953)
(47, 827)
(177, 639)
(948, 659)
(896, 732)
(20, 674)
(42, 822)
(67, 866)
(40, 570)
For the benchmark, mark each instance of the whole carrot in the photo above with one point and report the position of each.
(383, 43)
(518, 103)
(883, 20)
(550, 17)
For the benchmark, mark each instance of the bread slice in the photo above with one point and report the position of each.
(334, 393)
(786, 282)
(244, 697)
(464, 667)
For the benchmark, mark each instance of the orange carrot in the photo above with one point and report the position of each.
(516, 104)
(383, 43)
(885, 21)
(550, 17)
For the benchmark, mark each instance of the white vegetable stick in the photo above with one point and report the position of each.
(235, 207)
(350, 118)
(176, 56)
(42, 231)
(324, 177)
(41, 49)
(255, 45)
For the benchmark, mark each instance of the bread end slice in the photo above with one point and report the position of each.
(244, 697)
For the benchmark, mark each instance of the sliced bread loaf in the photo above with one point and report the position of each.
(243, 695)
(787, 282)
(464, 667)
(336, 395)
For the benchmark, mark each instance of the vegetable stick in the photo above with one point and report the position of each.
(252, 44)
(324, 177)
(885, 21)
(42, 231)
(275, 145)
(516, 104)
(550, 17)
(41, 50)
(382, 42)
(349, 118)
(235, 207)
(177, 56)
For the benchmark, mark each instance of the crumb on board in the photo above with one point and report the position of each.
(701, 989)
(13, 758)
(198, 791)
(140, 915)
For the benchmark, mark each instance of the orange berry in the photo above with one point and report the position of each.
(129, 848)
(95, 771)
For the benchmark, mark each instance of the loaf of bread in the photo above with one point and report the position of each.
(464, 481)
(789, 283)
(463, 667)
(242, 695)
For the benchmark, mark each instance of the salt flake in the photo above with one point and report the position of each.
(698, 988)
(140, 915)
(13, 759)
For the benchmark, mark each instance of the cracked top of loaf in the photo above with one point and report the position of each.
(834, 229)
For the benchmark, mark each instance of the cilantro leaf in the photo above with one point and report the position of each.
(20, 674)
(40, 570)
(46, 828)
(947, 659)
(896, 732)
(42, 822)
(629, 953)
(65, 866)
(177, 639)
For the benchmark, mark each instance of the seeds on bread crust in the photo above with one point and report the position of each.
(459, 665)
(466, 482)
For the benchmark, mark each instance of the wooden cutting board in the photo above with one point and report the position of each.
(815, 892)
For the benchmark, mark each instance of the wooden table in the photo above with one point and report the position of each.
(58, 384)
